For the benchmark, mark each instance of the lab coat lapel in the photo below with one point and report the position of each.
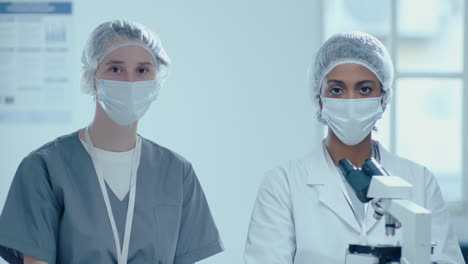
(330, 193)
(370, 219)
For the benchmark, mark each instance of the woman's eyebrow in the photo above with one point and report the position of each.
(114, 62)
(146, 63)
(364, 81)
(335, 81)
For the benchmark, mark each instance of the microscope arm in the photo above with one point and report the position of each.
(416, 233)
(392, 194)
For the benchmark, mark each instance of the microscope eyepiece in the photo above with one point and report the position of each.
(357, 178)
(346, 166)
(372, 168)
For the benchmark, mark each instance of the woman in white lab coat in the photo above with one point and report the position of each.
(305, 211)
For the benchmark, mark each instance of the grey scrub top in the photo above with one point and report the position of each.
(55, 210)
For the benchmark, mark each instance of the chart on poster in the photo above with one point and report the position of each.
(35, 51)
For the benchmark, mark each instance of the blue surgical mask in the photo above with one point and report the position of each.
(126, 102)
(351, 119)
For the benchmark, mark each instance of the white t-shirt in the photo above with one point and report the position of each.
(115, 168)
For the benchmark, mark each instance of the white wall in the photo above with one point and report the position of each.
(236, 103)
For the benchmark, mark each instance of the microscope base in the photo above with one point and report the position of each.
(384, 254)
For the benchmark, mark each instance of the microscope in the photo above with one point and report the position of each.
(389, 197)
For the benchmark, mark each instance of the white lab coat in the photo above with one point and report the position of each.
(302, 216)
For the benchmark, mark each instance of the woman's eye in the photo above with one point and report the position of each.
(115, 69)
(143, 70)
(335, 91)
(365, 90)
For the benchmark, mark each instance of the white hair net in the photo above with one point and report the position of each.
(357, 48)
(115, 34)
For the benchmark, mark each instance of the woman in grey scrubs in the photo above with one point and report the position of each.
(104, 194)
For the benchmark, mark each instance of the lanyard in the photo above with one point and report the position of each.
(122, 254)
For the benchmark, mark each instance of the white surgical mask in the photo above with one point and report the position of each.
(126, 102)
(351, 119)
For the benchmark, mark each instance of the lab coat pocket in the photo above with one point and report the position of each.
(167, 218)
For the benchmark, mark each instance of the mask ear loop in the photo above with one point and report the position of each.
(96, 82)
(320, 102)
(382, 95)
(320, 89)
